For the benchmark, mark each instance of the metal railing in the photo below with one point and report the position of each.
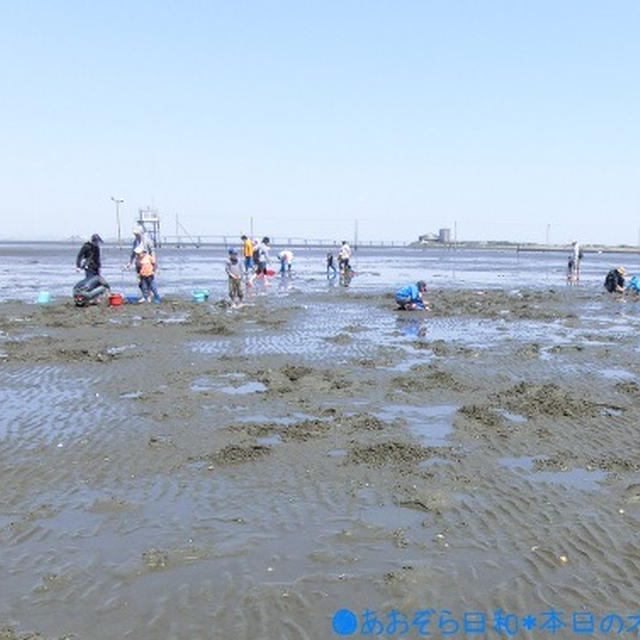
(208, 240)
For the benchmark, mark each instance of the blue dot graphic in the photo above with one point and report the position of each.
(345, 622)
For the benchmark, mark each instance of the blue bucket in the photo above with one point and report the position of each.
(44, 297)
(200, 295)
(131, 298)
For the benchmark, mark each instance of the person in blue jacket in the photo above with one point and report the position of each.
(633, 286)
(412, 296)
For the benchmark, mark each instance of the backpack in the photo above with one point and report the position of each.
(256, 255)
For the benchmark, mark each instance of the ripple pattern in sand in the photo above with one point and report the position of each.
(45, 402)
(138, 527)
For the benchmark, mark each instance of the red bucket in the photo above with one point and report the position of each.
(115, 299)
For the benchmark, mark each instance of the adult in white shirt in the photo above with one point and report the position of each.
(343, 256)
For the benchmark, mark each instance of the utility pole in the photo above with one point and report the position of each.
(118, 202)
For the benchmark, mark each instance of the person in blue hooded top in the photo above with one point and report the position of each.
(411, 296)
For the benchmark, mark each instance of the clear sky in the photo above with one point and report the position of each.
(505, 119)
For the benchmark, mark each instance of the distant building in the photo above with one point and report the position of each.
(443, 236)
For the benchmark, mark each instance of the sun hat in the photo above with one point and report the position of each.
(232, 251)
(621, 270)
(139, 249)
(137, 231)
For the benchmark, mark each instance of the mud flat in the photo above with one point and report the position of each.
(189, 471)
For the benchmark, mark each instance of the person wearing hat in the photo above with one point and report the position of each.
(614, 282)
(412, 296)
(233, 269)
(146, 267)
(140, 241)
(88, 257)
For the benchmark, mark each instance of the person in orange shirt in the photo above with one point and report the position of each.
(146, 267)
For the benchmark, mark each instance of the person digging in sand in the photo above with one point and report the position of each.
(411, 296)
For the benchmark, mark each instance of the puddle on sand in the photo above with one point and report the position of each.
(431, 425)
(112, 351)
(405, 365)
(132, 395)
(177, 319)
(617, 374)
(206, 384)
(372, 510)
(202, 384)
(247, 387)
(574, 478)
(513, 417)
(272, 439)
(284, 420)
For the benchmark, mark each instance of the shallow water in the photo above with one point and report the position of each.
(585, 479)
(430, 424)
(28, 268)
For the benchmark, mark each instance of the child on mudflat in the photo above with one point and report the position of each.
(234, 274)
(331, 266)
(146, 266)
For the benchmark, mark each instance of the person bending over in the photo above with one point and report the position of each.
(614, 282)
(411, 296)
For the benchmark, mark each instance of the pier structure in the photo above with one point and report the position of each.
(149, 221)
(179, 240)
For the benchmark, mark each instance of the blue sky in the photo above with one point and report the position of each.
(506, 119)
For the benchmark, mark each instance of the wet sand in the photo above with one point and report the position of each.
(192, 471)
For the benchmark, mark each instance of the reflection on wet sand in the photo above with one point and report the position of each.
(187, 471)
